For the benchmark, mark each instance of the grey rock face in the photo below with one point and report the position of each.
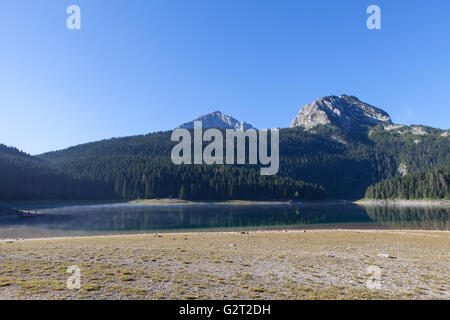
(402, 169)
(346, 112)
(218, 120)
(418, 131)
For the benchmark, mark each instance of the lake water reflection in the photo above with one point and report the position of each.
(132, 218)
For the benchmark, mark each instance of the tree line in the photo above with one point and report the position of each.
(325, 161)
(427, 184)
(23, 177)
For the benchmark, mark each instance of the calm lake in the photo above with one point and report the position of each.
(134, 218)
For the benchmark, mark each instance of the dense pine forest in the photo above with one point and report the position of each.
(326, 161)
(347, 164)
(24, 177)
(426, 184)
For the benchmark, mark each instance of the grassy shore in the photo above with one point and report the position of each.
(258, 265)
(36, 204)
(172, 201)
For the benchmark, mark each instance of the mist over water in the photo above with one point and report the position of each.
(132, 218)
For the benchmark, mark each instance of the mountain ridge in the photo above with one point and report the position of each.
(132, 167)
(346, 112)
(217, 119)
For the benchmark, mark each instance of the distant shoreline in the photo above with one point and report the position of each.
(32, 204)
(404, 203)
(236, 202)
(36, 204)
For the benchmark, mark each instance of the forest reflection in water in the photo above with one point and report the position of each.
(131, 218)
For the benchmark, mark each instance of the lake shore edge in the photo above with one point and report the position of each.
(403, 203)
(32, 204)
(164, 202)
(212, 232)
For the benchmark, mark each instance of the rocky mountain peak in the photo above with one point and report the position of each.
(217, 119)
(346, 112)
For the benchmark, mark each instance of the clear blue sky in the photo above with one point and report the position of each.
(142, 66)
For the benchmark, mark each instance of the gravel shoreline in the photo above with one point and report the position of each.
(405, 203)
(313, 264)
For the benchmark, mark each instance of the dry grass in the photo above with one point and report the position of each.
(259, 265)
